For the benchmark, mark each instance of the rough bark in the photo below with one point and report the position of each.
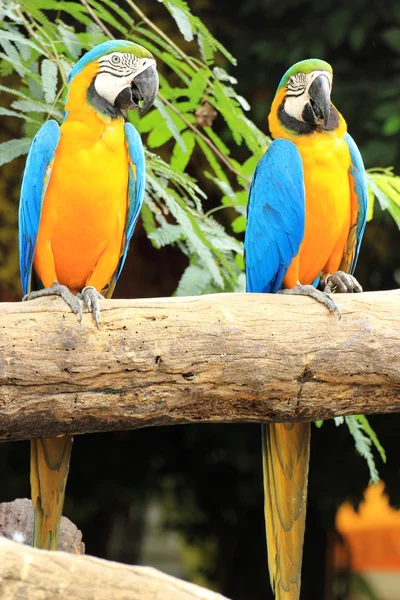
(218, 358)
(41, 575)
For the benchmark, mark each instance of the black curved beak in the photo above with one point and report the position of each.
(320, 96)
(146, 86)
(143, 89)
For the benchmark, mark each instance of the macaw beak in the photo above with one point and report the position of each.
(143, 89)
(145, 86)
(320, 99)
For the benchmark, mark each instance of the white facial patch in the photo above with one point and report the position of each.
(117, 72)
(297, 94)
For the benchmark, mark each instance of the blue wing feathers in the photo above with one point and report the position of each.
(361, 189)
(136, 186)
(34, 184)
(276, 217)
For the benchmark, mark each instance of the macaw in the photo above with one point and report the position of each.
(81, 195)
(306, 218)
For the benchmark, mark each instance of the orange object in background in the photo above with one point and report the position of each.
(372, 534)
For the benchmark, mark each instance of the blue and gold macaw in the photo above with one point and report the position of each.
(81, 195)
(306, 218)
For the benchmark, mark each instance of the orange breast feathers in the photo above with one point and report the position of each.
(326, 163)
(81, 231)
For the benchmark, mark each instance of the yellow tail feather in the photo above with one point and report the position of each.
(49, 472)
(286, 453)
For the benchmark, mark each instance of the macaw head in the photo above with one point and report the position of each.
(305, 96)
(118, 75)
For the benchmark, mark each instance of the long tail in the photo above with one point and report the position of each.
(49, 472)
(286, 453)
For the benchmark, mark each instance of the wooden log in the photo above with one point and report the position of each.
(218, 358)
(27, 573)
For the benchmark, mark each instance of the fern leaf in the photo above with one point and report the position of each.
(363, 446)
(171, 121)
(148, 221)
(70, 40)
(12, 56)
(13, 148)
(17, 37)
(49, 80)
(193, 282)
(168, 234)
(40, 107)
(180, 157)
(180, 15)
(362, 419)
(12, 113)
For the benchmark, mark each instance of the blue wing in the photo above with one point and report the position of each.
(359, 198)
(34, 184)
(136, 185)
(275, 217)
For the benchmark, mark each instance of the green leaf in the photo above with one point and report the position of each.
(239, 260)
(168, 234)
(213, 161)
(17, 37)
(13, 113)
(171, 120)
(12, 55)
(182, 20)
(222, 75)
(362, 419)
(239, 224)
(66, 67)
(363, 446)
(13, 148)
(70, 40)
(148, 221)
(386, 189)
(49, 80)
(32, 106)
(193, 282)
(180, 158)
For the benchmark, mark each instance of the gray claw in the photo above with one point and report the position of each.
(56, 289)
(341, 282)
(91, 298)
(312, 292)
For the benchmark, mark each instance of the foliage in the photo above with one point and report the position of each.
(40, 41)
(364, 437)
(384, 186)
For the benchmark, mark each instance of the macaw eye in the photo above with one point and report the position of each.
(115, 59)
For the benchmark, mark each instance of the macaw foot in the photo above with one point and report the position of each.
(91, 297)
(309, 290)
(340, 282)
(58, 290)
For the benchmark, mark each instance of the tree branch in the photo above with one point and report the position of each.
(219, 358)
(42, 575)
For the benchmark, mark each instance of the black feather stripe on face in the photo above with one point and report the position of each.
(119, 64)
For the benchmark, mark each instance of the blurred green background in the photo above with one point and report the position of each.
(204, 483)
